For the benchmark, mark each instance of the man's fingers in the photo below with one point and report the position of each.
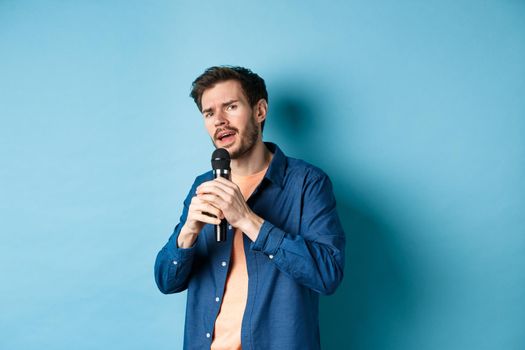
(226, 182)
(215, 201)
(220, 180)
(208, 208)
(200, 207)
(201, 204)
(219, 215)
(206, 219)
(220, 189)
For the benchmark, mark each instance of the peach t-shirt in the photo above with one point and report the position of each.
(227, 334)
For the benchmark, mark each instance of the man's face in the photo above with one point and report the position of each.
(229, 118)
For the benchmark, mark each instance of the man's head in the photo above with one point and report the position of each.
(233, 102)
(253, 86)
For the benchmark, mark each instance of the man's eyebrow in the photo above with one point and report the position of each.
(223, 104)
(229, 102)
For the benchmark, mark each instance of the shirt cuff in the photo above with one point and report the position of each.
(269, 239)
(181, 254)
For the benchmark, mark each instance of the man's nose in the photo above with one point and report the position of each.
(220, 118)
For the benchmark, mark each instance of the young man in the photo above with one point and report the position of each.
(285, 244)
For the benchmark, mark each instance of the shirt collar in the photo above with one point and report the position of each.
(277, 166)
(276, 169)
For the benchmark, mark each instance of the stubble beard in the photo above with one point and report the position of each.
(247, 142)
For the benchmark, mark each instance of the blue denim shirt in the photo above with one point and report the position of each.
(298, 255)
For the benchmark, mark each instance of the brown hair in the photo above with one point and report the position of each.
(252, 85)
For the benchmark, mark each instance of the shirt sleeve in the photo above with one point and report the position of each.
(173, 264)
(313, 257)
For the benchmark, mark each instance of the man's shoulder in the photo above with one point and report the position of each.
(302, 168)
(204, 177)
(198, 180)
(285, 170)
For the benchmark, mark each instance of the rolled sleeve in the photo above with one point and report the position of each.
(269, 239)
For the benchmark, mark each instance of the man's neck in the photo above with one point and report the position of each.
(253, 161)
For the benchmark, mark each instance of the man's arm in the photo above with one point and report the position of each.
(175, 260)
(313, 257)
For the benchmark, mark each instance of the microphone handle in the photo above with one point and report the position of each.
(222, 229)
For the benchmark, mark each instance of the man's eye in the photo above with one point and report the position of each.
(232, 107)
(207, 115)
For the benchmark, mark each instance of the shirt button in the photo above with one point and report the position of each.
(208, 335)
(223, 263)
(217, 299)
(175, 262)
(270, 256)
(230, 227)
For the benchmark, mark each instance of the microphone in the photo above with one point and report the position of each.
(220, 163)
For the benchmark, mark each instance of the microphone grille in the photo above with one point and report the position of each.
(220, 159)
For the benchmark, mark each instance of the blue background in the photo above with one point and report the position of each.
(416, 110)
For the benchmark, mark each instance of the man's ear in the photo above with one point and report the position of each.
(261, 108)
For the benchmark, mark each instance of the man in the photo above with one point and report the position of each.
(285, 244)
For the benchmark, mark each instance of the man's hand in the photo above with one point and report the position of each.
(226, 197)
(199, 213)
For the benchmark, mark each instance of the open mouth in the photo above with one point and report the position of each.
(226, 136)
